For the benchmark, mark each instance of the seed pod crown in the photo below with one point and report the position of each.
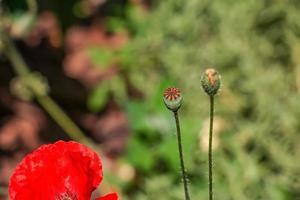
(172, 98)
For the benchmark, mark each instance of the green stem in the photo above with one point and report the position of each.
(13, 55)
(184, 177)
(61, 118)
(32, 6)
(210, 164)
(46, 102)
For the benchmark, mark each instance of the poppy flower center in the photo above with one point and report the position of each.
(67, 196)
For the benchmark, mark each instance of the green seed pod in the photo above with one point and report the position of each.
(172, 98)
(211, 81)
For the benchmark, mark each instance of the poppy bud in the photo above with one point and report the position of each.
(211, 81)
(172, 98)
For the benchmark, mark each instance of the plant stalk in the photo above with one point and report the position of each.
(62, 119)
(210, 164)
(184, 176)
(21, 69)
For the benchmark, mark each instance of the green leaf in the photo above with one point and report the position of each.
(137, 111)
(139, 156)
(98, 97)
(118, 88)
(168, 151)
(101, 57)
(115, 24)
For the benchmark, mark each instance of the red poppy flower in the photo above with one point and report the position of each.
(59, 171)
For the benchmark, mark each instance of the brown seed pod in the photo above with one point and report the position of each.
(211, 81)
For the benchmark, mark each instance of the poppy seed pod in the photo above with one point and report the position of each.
(172, 98)
(211, 81)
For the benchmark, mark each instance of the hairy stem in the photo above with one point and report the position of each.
(210, 164)
(61, 119)
(32, 6)
(45, 101)
(184, 177)
(13, 55)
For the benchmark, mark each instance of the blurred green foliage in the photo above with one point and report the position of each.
(255, 46)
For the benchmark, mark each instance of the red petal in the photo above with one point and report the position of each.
(54, 171)
(112, 196)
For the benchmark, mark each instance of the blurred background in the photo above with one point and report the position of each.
(106, 63)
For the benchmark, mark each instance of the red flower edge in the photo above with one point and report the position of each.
(112, 196)
(59, 171)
